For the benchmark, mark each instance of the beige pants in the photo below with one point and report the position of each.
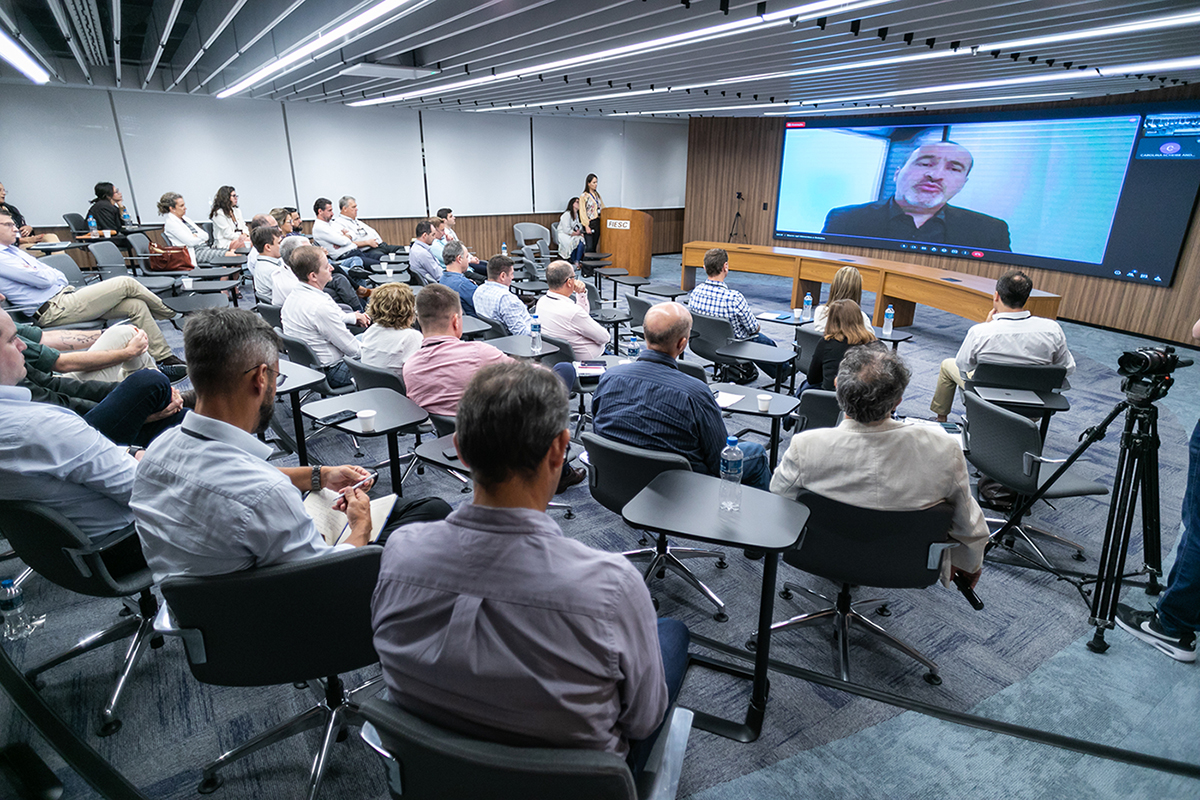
(949, 379)
(45, 238)
(115, 298)
(114, 339)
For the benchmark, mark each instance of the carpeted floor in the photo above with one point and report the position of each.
(1020, 659)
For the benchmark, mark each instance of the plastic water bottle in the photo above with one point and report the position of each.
(92, 227)
(807, 313)
(633, 350)
(889, 319)
(504, 248)
(16, 616)
(731, 476)
(535, 335)
(125, 220)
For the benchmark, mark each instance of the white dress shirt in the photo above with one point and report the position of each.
(1015, 337)
(208, 503)
(567, 319)
(358, 230)
(225, 230)
(332, 236)
(263, 270)
(182, 232)
(50, 455)
(283, 283)
(314, 318)
(389, 347)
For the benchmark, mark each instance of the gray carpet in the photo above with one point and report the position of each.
(1018, 659)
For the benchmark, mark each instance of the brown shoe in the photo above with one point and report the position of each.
(363, 291)
(570, 477)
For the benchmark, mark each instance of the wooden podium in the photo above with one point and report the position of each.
(626, 233)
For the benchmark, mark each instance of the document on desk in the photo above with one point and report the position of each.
(334, 526)
(726, 399)
(775, 316)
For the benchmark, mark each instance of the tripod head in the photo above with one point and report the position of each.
(1147, 373)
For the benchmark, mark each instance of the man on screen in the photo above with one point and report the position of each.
(919, 210)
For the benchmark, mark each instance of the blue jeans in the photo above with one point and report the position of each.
(673, 638)
(1179, 606)
(122, 415)
(755, 471)
(338, 375)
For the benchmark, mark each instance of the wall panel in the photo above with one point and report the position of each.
(567, 149)
(478, 162)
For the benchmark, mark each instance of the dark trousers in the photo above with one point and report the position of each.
(342, 291)
(1179, 606)
(383, 250)
(365, 255)
(122, 415)
(427, 509)
(673, 638)
(592, 240)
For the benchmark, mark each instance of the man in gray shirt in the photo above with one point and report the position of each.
(493, 624)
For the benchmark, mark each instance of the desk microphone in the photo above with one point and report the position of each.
(963, 582)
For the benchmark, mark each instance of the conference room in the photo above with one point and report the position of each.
(694, 118)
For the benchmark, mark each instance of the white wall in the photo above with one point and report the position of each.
(60, 142)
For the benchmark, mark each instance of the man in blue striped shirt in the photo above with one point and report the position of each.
(651, 404)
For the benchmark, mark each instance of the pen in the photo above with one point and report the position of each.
(360, 484)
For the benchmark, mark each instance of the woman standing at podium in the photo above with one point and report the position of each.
(590, 206)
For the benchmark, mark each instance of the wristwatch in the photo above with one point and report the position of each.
(316, 479)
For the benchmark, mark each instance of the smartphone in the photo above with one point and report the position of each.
(450, 453)
(340, 416)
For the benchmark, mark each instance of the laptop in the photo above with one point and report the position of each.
(996, 394)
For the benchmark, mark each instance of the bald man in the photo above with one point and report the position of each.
(919, 210)
(651, 404)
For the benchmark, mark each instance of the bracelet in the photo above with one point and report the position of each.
(316, 479)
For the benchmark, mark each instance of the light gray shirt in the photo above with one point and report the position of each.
(1015, 337)
(314, 318)
(422, 261)
(50, 455)
(208, 503)
(492, 623)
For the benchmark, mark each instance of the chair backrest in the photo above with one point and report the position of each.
(544, 251)
(140, 244)
(279, 624)
(109, 259)
(56, 549)
(1034, 377)
(638, 306)
(565, 352)
(887, 549)
(76, 223)
(527, 268)
(206, 225)
(299, 352)
(443, 424)
(554, 237)
(998, 440)
(617, 472)
(498, 331)
(368, 377)
(528, 231)
(693, 369)
(272, 314)
(713, 333)
(593, 296)
(806, 345)
(818, 409)
(66, 265)
(437, 764)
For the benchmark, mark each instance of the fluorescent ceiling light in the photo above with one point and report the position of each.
(573, 100)
(957, 87)
(876, 106)
(15, 55)
(368, 70)
(1156, 67)
(324, 40)
(1152, 24)
(842, 67)
(699, 110)
(750, 24)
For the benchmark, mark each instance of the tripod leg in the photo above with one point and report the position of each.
(1151, 528)
(1116, 537)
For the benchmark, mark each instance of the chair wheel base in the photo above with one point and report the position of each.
(1079, 556)
(465, 490)
(662, 573)
(751, 645)
(210, 784)
(156, 642)
(343, 734)
(570, 514)
(721, 616)
(38, 682)
(785, 593)
(883, 611)
(300, 685)
(722, 564)
(933, 679)
(109, 728)
(753, 555)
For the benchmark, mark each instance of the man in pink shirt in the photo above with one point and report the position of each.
(563, 312)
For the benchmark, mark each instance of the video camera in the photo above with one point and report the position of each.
(1147, 372)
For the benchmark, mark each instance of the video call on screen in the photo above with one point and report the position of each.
(1105, 192)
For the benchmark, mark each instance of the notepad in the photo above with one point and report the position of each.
(726, 399)
(334, 526)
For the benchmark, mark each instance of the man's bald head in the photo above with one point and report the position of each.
(667, 326)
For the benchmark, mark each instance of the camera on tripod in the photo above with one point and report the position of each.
(1150, 361)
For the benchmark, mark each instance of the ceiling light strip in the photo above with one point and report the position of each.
(1152, 24)
(14, 54)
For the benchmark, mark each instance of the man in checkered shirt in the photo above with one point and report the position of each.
(715, 299)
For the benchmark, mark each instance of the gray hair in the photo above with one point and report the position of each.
(290, 243)
(507, 420)
(345, 201)
(558, 273)
(870, 382)
(167, 202)
(222, 344)
(452, 251)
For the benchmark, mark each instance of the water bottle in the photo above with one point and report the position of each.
(504, 248)
(125, 220)
(92, 228)
(731, 476)
(633, 350)
(16, 616)
(535, 335)
(889, 319)
(807, 313)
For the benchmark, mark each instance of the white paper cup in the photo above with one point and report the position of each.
(388, 270)
(187, 283)
(796, 312)
(366, 419)
(764, 402)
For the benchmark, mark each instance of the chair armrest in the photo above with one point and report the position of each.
(193, 640)
(660, 777)
(1029, 458)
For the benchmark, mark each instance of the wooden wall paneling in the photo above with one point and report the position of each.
(726, 155)
(668, 230)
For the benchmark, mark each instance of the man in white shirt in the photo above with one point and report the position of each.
(1010, 335)
(283, 280)
(265, 242)
(563, 312)
(420, 258)
(256, 222)
(360, 231)
(313, 317)
(336, 238)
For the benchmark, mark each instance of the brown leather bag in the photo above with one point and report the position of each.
(169, 259)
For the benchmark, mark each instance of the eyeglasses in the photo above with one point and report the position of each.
(279, 376)
(9, 224)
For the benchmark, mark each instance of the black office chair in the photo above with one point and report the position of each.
(70, 270)
(1007, 447)
(566, 354)
(806, 345)
(110, 263)
(300, 353)
(818, 409)
(498, 331)
(296, 628)
(366, 376)
(56, 549)
(616, 473)
(711, 334)
(272, 314)
(427, 762)
(1044, 380)
(77, 224)
(638, 306)
(855, 546)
